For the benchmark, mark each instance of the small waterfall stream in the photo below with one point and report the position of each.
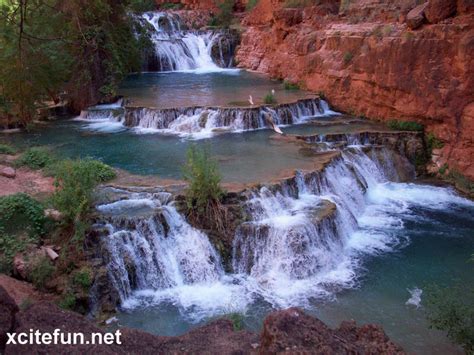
(179, 49)
(203, 122)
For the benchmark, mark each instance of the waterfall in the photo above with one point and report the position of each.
(151, 246)
(179, 49)
(306, 238)
(202, 122)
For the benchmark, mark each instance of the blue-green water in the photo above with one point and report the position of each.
(251, 157)
(224, 88)
(434, 247)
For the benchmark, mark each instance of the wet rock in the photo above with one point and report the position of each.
(416, 16)
(438, 10)
(8, 172)
(8, 308)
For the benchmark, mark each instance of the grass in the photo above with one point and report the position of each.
(83, 278)
(290, 86)
(405, 125)
(41, 272)
(270, 99)
(237, 320)
(6, 149)
(250, 5)
(35, 158)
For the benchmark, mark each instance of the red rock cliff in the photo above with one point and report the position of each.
(367, 61)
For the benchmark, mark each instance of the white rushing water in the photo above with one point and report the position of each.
(199, 123)
(305, 240)
(176, 49)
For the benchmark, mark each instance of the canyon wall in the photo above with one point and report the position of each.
(366, 60)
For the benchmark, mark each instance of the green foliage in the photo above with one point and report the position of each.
(49, 46)
(171, 6)
(451, 309)
(68, 301)
(348, 57)
(6, 149)
(75, 181)
(443, 169)
(139, 6)
(83, 278)
(269, 99)
(462, 182)
(405, 125)
(237, 321)
(203, 179)
(433, 142)
(21, 213)
(250, 5)
(290, 86)
(322, 95)
(224, 16)
(10, 246)
(40, 272)
(35, 158)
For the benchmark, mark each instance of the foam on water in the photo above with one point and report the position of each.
(415, 297)
(285, 255)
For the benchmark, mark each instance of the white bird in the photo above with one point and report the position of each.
(251, 100)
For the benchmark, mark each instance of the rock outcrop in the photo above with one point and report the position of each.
(284, 332)
(366, 61)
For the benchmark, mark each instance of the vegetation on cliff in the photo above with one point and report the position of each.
(50, 48)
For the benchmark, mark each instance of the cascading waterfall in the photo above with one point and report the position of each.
(177, 49)
(202, 122)
(151, 246)
(306, 239)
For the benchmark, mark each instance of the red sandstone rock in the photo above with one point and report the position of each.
(416, 17)
(425, 76)
(293, 332)
(7, 172)
(438, 10)
(8, 308)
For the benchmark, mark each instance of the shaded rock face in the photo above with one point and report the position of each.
(8, 308)
(286, 331)
(292, 331)
(366, 61)
(438, 10)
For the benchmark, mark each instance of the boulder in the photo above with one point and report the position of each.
(19, 266)
(8, 172)
(292, 331)
(8, 308)
(438, 10)
(416, 16)
(53, 214)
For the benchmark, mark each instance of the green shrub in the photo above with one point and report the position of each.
(224, 16)
(83, 278)
(6, 149)
(237, 321)
(250, 5)
(40, 272)
(405, 125)
(433, 142)
(68, 301)
(203, 178)
(451, 309)
(322, 95)
(35, 158)
(75, 181)
(21, 213)
(348, 57)
(171, 6)
(143, 5)
(9, 247)
(290, 86)
(269, 99)
(443, 169)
